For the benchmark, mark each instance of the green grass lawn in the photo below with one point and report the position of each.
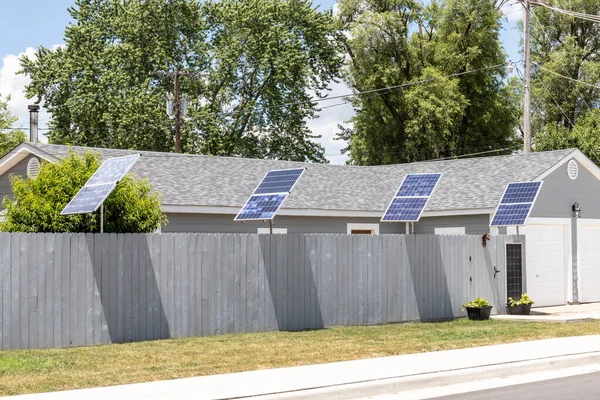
(30, 371)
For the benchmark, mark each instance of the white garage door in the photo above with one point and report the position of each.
(546, 263)
(588, 239)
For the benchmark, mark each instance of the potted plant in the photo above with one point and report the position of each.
(478, 309)
(521, 306)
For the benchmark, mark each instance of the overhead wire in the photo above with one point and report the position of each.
(537, 20)
(574, 14)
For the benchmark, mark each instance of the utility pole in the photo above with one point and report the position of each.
(177, 100)
(527, 92)
(177, 110)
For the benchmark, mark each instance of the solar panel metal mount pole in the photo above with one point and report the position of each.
(270, 226)
(102, 218)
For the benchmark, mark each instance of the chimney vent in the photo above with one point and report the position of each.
(33, 122)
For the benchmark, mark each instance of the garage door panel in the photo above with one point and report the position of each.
(546, 263)
(588, 242)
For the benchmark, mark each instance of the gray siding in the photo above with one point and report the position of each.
(20, 169)
(474, 224)
(63, 290)
(559, 193)
(221, 223)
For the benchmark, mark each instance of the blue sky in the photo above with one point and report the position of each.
(26, 25)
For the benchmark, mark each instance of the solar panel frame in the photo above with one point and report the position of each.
(258, 191)
(518, 194)
(241, 216)
(81, 193)
(426, 197)
(515, 214)
(532, 203)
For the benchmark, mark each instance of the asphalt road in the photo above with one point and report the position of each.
(585, 387)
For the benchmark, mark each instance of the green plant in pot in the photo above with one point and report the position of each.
(478, 309)
(521, 306)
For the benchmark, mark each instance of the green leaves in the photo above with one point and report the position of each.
(420, 46)
(241, 60)
(37, 203)
(9, 138)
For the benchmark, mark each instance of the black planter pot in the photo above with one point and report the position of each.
(479, 314)
(515, 310)
(521, 309)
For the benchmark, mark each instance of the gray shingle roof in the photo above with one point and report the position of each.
(228, 181)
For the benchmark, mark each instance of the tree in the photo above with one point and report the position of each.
(37, 203)
(567, 46)
(447, 62)
(9, 137)
(584, 136)
(242, 60)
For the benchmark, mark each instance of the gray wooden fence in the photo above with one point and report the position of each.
(61, 290)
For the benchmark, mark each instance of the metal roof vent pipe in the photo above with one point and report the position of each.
(33, 122)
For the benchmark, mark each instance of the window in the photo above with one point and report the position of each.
(276, 231)
(363, 229)
(455, 230)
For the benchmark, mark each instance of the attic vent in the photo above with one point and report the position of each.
(33, 167)
(572, 169)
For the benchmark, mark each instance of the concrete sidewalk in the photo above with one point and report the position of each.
(361, 378)
(561, 314)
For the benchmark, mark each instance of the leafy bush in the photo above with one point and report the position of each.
(524, 300)
(477, 303)
(131, 207)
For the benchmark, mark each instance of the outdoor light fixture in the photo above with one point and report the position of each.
(510, 68)
(576, 210)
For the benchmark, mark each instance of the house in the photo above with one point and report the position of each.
(204, 193)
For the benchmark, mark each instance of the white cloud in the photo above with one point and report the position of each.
(14, 85)
(512, 11)
(327, 123)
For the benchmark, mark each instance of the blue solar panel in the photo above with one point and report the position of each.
(511, 214)
(418, 185)
(113, 170)
(261, 207)
(88, 199)
(279, 181)
(523, 192)
(516, 203)
(405, 209)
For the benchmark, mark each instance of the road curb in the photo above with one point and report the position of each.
(435, 379)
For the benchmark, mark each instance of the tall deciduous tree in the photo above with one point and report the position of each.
(132, 207)
(566, 78)
(242, 60)
(420, 47)
(9, 137)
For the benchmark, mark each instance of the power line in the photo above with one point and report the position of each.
(567, 77)
(574, 14)
(552, 48)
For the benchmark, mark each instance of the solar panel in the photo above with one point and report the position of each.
(113, 170)
(418, 185)
(88, 199)
(405, 209)
(270, 194)
(279, 181)
(261, 206)
(511, 214)
(91, 196)
(516, 204)
(411, 198)
(523, 192)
